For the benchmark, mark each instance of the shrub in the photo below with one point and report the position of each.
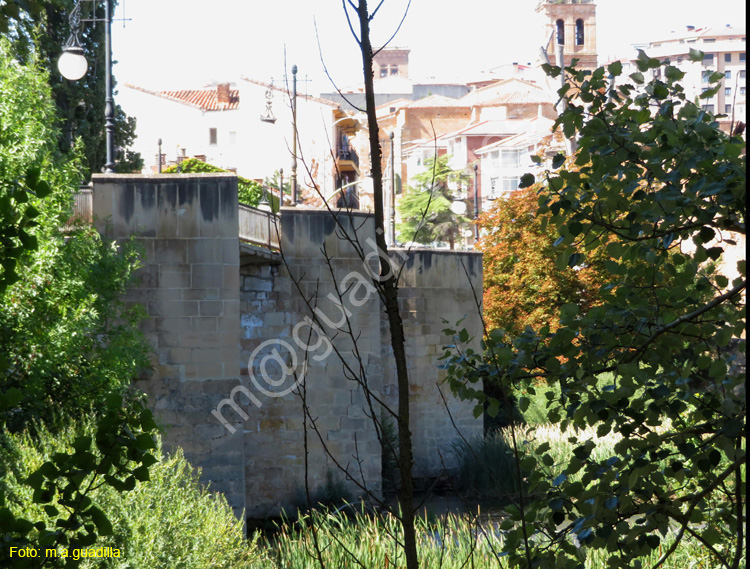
(249, 192)
(168, 521)
(66, 338)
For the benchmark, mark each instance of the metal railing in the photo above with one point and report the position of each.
(259, 227)
(346, 152)
(83, 208)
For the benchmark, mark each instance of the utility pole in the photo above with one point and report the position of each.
(293, 179)
(476, 202)
(392, 212)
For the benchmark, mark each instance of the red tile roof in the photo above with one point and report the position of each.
(203, 99)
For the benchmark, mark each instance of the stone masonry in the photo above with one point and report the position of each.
(189, 285)
(243, 338)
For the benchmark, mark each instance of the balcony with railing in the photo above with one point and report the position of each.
(347, 156)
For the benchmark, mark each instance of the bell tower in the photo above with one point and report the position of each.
(571, 23)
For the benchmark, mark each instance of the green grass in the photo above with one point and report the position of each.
(451, 542)
(172, 521)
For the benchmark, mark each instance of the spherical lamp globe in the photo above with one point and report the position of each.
(72, 64)
(458, 207)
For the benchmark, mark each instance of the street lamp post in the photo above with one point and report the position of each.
(476, 203)
(293, 179)
(73, 65)
(159, 157)
(393, 195)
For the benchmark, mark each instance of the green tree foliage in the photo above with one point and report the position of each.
(14, 12)
(23, 119)
(660, 187)
(65, 338)
(425, 210)
(41, 35)
(249, 192)
(276, 179)
(67, 346)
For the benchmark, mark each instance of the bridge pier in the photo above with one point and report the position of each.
(228, 316)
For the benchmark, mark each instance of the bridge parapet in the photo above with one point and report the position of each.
(189, 285)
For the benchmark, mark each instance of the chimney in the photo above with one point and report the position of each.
(222, 93)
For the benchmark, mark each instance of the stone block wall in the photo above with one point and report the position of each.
(239, 340)
(273, 316)
(189, 285)
(433, 287)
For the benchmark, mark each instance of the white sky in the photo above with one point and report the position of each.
(186, 43)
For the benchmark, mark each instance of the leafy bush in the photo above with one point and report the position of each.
(169, 520)
(66, 340)
(66, 337)
(249, 192)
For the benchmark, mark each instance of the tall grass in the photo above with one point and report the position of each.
(451, 542)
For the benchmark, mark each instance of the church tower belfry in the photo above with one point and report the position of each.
(571, 23)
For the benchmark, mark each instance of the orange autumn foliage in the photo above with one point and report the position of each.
(523, 285)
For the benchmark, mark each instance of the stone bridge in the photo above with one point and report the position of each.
(228, 318)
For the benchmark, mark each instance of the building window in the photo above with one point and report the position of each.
(509, 159)
(708, 108)
(579, 32)
(560, 32)
(742, 58)
(728, 74)
(727, 91)
(213, 136)
(232, 137)
(743, 73)
(394, 69)
(705, 76)
(727, 109)
(708, 59)
(742, 90)
(709, 40)
(728, 58)
(510, 184)
(384, 71)
(494, 159)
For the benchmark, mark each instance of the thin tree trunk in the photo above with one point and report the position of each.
(405, 459)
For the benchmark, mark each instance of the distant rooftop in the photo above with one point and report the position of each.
(542, 2)
(220, 98)
(725, 32)
(509, 91)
